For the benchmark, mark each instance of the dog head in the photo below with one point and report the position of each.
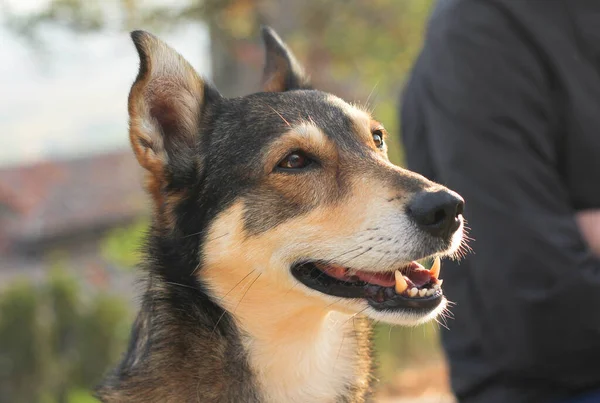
(292, 185)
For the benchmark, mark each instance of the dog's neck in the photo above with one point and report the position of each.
(265, 346)
(315, 360)
(299, 350)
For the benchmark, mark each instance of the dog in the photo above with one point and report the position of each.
(280, 230)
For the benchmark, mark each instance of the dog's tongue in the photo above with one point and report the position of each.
(382, 279)
(341, 273)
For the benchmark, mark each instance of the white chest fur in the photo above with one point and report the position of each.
(305, 367)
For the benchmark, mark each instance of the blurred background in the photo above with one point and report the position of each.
(72, 209)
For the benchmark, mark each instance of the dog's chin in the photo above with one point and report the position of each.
(406, 317)
(409, 295)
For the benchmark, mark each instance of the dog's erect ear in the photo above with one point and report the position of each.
(282, 70)
(165, 105)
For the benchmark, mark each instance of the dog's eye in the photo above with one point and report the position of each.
(295, 160)
(378, 138)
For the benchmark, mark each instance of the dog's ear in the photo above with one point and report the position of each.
(165, 106)
(282, 70)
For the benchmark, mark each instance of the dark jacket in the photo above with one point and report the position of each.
(503, 106)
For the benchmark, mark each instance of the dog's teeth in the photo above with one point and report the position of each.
(401, 284)
(438, 285)
(413, 292)
(422, 292)
(431, 291)
(435, 268)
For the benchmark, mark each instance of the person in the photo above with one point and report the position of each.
(503, 106)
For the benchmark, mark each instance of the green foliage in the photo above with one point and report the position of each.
(80, 396)
(56, 341)
(24, 354)
(122, 245)
(103, 332)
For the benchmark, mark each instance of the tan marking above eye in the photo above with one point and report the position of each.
(305, 138)
(364, 125)
(361, 119)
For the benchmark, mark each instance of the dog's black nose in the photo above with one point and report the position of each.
(436, 212)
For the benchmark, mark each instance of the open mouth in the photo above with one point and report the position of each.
(409, 287)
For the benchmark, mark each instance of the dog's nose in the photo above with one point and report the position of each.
(436, 212)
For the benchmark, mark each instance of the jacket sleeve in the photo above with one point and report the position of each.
(488, 111)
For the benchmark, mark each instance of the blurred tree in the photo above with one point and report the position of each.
(360, 50)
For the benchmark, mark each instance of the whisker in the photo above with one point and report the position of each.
(354, 315)
(333, 259)
(217, 237)
(444, 319)
(365, 251)
(238, 283)
(380, 259)
(333, 303)
(292, 287)
(195, 233)
(357, 256)
(196, 269)
(245, 292)
(224, 311)
(339, 350)
(217, 324)
(441, 324)
(367, 106)
(180, 285)
(201, 232)
(279, 114)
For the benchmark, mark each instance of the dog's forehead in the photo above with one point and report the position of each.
(274, 114)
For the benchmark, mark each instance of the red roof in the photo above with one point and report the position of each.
(60, 197)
